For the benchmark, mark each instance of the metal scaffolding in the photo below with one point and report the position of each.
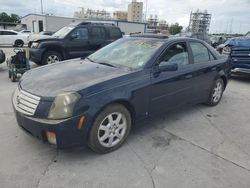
(199, 22)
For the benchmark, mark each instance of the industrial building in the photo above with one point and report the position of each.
(37, 23)
(120, 15)
(92, 14)
(199, 22)
(135, 11)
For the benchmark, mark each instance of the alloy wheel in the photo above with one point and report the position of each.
(52, 59)
(112, 129)
(217, 93)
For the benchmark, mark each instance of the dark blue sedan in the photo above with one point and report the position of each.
(96, 100)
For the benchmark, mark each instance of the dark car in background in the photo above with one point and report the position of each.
(95, 101)
(73, 41)
(217, 40)
(240, 56)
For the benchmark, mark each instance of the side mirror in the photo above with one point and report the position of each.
(74, 36)
(167, 67)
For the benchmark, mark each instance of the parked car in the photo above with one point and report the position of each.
(14, 38)
(25, 31)
(238, 50)
(217, 40)
(96, 100)
(39, 36)
(76, 40)
(47, 33)
(200, 36)
(2, 56)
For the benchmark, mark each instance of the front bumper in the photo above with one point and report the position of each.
(36, 54)
(67, 132)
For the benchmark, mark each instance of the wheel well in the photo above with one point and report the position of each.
(124, 103)
(55, 49)
(18, 40)
(224, 80)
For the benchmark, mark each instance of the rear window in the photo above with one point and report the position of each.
(200, 52)
(114, 33)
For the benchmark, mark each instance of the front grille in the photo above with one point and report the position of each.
(25, 102)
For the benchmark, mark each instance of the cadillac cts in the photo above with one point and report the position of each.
(95, 101)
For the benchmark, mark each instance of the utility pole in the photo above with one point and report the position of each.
(41, 6)
(146, 11)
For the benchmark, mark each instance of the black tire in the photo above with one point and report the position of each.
(213, 101)
(93, 140)
(9, 74)
(13, 77)
(18, 43)
(50, 54)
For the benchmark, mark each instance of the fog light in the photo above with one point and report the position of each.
(51, 136)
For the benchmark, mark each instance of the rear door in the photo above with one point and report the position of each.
(113, 34)
(175, 88)
(205, 67)
(77, 43)
(97, 38)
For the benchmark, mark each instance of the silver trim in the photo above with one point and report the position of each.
(25, 102)
(242, 70)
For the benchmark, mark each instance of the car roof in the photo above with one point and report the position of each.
(164, 38)
(8, 30)
(150, 35)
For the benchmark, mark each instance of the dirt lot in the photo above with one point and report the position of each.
(193, 147)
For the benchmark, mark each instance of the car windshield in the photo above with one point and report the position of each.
(132, 53)
(62, 32)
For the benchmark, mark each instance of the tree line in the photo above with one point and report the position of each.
(12, 18)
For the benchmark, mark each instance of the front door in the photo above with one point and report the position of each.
(174, 88)
(77, 44)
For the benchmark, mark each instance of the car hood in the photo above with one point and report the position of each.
(72, 75)
(38, 37)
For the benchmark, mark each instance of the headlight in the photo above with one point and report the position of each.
(227, 50)
(63, 105)
(34, 45)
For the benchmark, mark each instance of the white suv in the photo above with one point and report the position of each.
(14, 38)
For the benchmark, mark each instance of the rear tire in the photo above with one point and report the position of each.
(216, 92)
(110, 129)
(13, 77)
(51, 57)
(18, 43)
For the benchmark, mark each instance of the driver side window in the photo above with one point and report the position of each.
(80, 33)
(175, 54)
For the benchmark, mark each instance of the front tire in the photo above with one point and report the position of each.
(216, 93)
(110, 129)
(51, 57)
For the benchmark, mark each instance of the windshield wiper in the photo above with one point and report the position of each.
(89, 59)
(108, 64)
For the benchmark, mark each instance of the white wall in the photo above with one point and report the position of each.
(55, 23)
(31, 20)
(129, 28)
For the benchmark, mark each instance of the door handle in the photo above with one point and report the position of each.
(188, 76)
(213, 69)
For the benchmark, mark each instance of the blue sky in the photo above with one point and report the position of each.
(227, 15)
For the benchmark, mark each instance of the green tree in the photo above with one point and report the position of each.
(13, 18)
(175, 28)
